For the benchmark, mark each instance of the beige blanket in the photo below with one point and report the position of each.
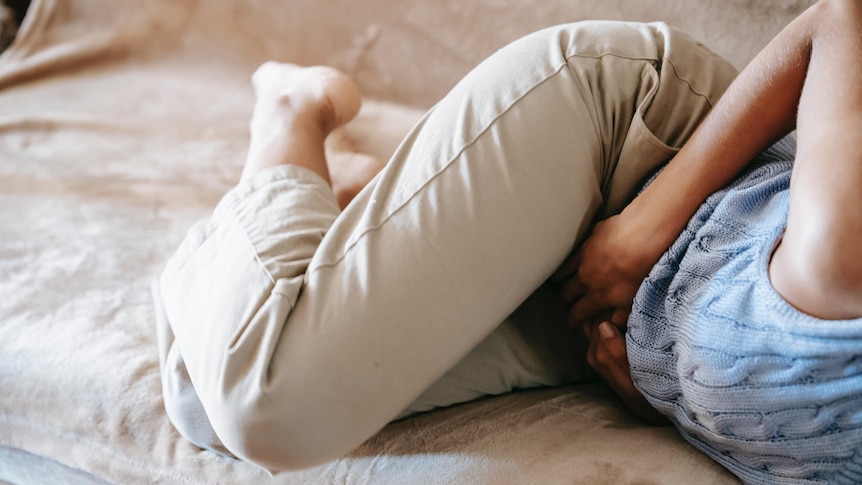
(123, 121)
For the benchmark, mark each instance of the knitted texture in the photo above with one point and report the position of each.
(771, 393)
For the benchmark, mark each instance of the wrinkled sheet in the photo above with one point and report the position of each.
(122, 122)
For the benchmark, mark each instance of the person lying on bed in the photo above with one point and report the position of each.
(291, 331)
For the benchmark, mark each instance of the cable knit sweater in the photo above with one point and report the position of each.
(769, 392)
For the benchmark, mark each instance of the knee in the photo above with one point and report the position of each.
(249, 427)
(273, 436)
(184, 408)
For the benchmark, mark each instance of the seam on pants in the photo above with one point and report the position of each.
(449, 163)
(213, 226)
(442, 169)
(237, 219)
(191, 253)
(687, 82)
(652, 139)
(664, 60)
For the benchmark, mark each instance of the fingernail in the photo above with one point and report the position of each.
(606, 330)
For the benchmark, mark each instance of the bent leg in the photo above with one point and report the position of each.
(297, 361)
(296, 111)
(534, 346)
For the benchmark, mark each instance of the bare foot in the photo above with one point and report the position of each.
(349, 170)
(296, 108)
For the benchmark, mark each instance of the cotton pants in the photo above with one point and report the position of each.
(291, 332)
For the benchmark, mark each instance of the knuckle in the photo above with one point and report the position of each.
(616, 351)
(603, 357)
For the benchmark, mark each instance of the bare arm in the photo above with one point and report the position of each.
(815, 65)
(817, 267)
(758, 108)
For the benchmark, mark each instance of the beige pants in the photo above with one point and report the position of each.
(298, 332)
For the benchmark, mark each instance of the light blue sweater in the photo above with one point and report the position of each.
(772, 394)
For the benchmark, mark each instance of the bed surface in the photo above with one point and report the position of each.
(123, 122)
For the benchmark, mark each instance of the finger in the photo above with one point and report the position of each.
(611, 346)
(568, 268)
(587, 307)
(623, 293)
(600, 317)
(610, 357)
(620, 317)
(593, 339)
(589, 326)
(602, 359)
(613, 342)
(587, 330)
(573, 289)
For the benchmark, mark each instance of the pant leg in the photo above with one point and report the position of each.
(300, 346)
(219, 268)
(534, 346)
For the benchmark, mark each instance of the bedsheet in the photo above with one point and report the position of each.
(123, 122)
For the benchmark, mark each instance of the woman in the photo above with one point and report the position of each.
(747, 331)
(297, 331)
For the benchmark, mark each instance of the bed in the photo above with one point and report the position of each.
(122, 122)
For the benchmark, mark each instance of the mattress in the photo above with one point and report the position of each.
(123, 122)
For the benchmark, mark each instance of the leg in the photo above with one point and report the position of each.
(297, 109)
(480, 204)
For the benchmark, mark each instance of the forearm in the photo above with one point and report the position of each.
(758, 108)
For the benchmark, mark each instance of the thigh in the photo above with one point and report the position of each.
(645, 94)
(482, 201)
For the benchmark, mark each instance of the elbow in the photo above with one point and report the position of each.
(819, 275)
(832, 15)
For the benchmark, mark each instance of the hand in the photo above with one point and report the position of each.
(607, 356)
(604, 275)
